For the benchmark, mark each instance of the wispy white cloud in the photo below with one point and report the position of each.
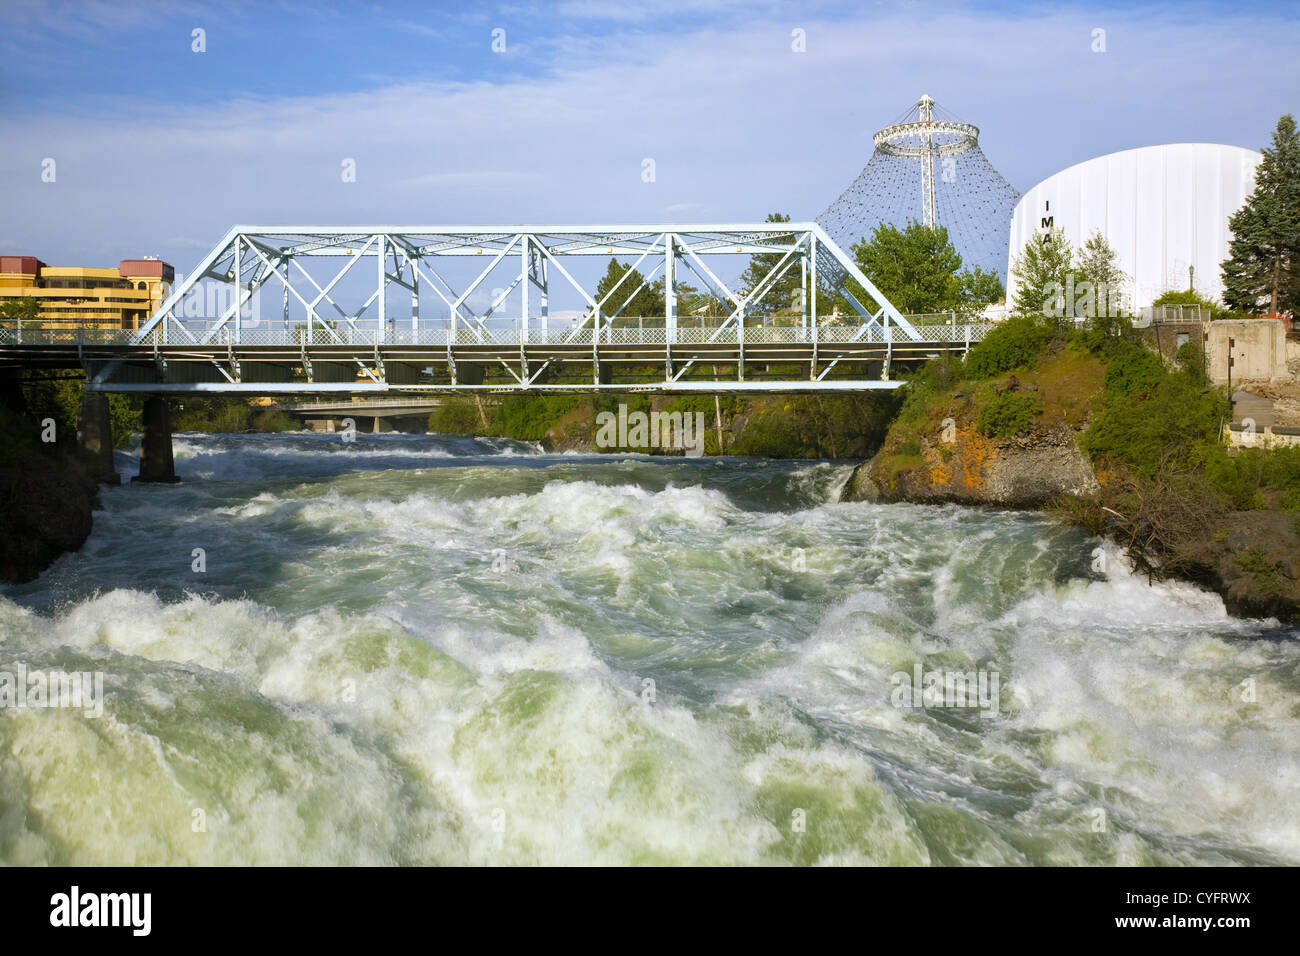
(420, 29)
(737, 123)
(472, 179)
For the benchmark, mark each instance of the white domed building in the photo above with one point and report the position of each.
(1163, 209)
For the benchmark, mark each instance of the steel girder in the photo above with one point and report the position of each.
(249, 258)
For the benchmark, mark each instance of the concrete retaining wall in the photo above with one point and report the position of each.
(1259, 350)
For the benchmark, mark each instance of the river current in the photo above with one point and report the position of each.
(424, 649)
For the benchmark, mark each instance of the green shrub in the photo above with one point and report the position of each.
(770, 433)
(729, 404)
(815, 426)
(1146, 425)
(530, 417)
(1245, 476)
(232, 418)
(1009, 414)
(19, 437)
(273, 420)
(1255, 562)
(943, 373)
(218, 413)
(124, 417)
(1191, 358)
(1012, 344)
(1237, 477)
(58, 398)
(456, 415)
(1133, 369)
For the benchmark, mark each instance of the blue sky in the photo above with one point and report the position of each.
(158, 149)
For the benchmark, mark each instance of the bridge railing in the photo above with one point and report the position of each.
(499, 335)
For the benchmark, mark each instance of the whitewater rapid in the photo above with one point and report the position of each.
(407, 650)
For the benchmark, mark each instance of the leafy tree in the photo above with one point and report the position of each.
(980, 288)
(1192, 297)
(1262, 271)
(59, 398)
(1185, 297)
(783, 294)
(1098, 264)
(1042, 270)
(25, 309)
(647, 302)
(918, 269)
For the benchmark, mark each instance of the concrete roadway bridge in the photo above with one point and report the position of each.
(381, 414)
(338, 331)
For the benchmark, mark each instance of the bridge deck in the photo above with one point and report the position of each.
(353, 360)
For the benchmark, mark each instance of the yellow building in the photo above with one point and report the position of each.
(75, 297)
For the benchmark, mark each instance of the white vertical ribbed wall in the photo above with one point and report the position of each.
(1162, 208)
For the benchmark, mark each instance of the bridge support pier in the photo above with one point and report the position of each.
(95, 438)
(156, 464)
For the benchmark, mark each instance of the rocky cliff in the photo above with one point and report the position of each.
(46, 503)
(961, 465)
(46, 495)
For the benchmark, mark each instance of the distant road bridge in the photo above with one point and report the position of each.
(413, 308)
(382, 414)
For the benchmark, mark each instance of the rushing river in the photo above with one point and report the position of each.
(443, 650)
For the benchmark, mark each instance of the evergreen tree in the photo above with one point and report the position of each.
(1262, 272)
(1042, 270)
(649, 301)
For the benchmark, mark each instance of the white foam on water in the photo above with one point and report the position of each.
(449, 665)
(257, 719)
(1117, 695)
(222, 457)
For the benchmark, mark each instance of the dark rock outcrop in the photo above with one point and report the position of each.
(46, 503)
(972, 469)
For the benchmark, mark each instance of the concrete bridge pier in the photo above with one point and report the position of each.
(156, 463)
(95, 438)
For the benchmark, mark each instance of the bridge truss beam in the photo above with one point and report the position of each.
(479, 299)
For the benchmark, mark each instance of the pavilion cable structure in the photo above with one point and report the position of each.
(928, 167)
